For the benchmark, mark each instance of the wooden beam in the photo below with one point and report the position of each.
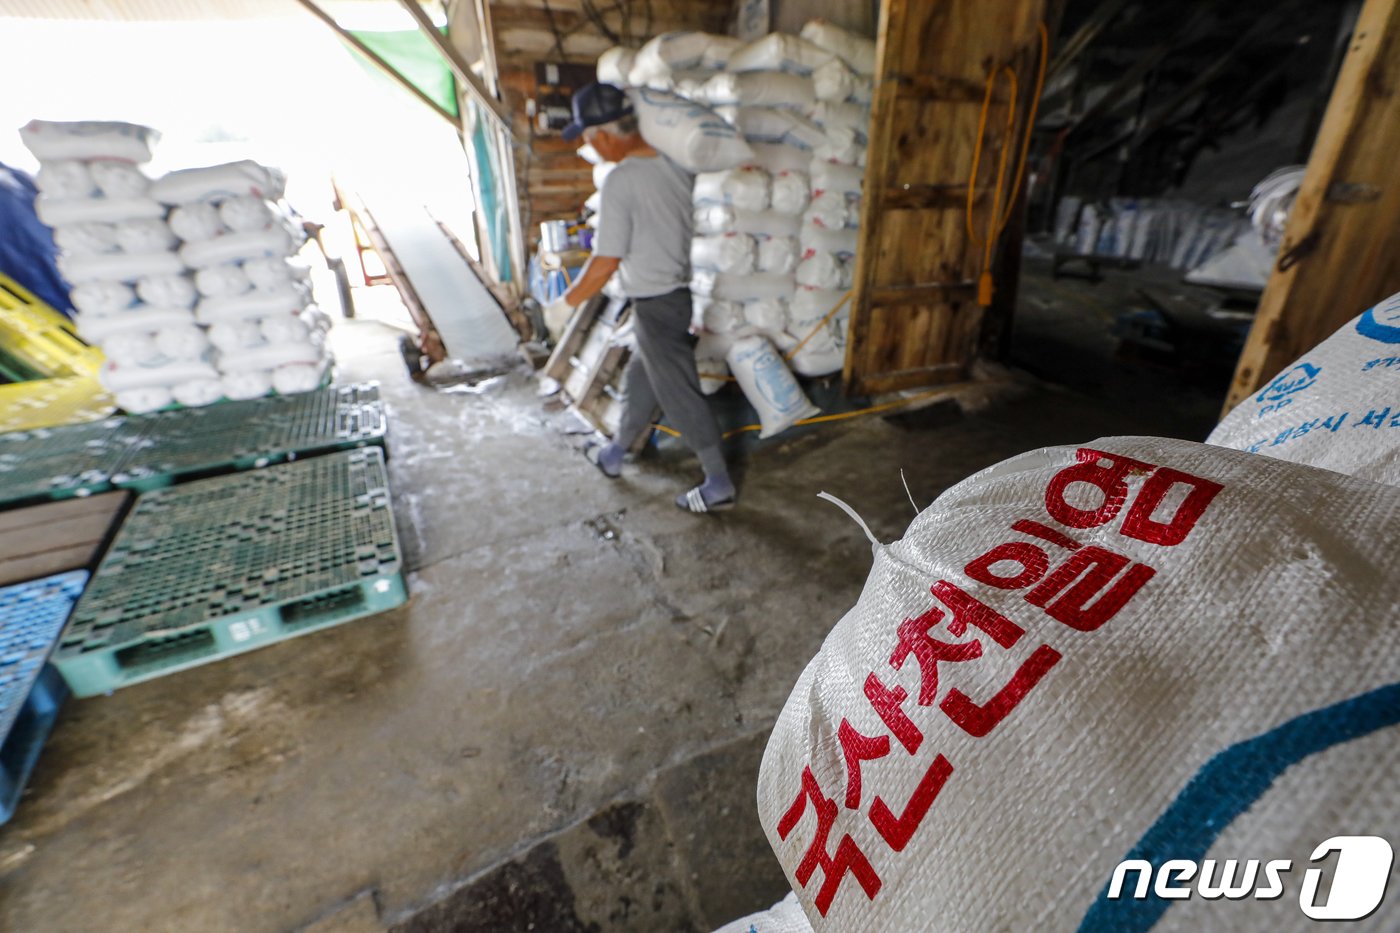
(470, 82)
(1340, 255)
(380, 63)
(1103, 15)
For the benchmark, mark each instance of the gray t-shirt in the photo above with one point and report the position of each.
(645, 220)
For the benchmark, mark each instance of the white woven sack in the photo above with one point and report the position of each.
(118, 267)
(195, 223)
(131, 348)
(831, 115)
(246, 384)
(833, 210)
(767, 316)
(841, 145)
(830, 176)
(198, 392)
(786, 916)
(296, 378)
(140, 401)
(771, 125)
(1138, 648)
(710, 364)
(792, 193)
(50, 141)
(822, 240)
(140, 319)
(268, 356)
(768, 385)
(86, 239)
(746, 188)
(735, 253)
(182, 343)
(821, 351)
(119, 179)
(215, 183)
(275, 241)
(760, 89)
(147, 235)
(669, 52)
(55, 212)
(117, 378)
(270, 271)
(285, 298)
(720, 218)
(232, 336)
(855, 50)
(102, 298)
(717, 316)
(223, 281)
(286, 328)
(615, 64)
(722, 287)
(246, 213)
(778, 255)
(824, 271)
(65, 180)
(779, 51)
(168, 291)
(1337, 407)
(693, 136)
(834, 81)
(780, 157)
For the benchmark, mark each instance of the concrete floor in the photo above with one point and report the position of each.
(562, 729)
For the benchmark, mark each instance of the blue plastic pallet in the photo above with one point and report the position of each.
(216, 567)
(31, 690)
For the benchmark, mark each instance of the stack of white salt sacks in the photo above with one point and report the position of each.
(119, 256)
(253, 297)
(829, 236)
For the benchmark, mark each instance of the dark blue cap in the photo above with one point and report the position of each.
(594, 105)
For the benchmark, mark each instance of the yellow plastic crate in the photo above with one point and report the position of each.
(48, 403)
(40, 336)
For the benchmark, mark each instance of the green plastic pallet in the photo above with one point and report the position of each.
(45, 464)
(152, 451)
(217, 567)
(192, 442)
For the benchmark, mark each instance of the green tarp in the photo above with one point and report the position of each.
(412, 54)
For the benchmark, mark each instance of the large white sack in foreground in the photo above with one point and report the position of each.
(786, 916)
(721, 218)
(723, 287)
(694, 137)
(734, 253)
(1137, 648)
(1337, 407)
(780, 157)
(50, 141)
(65, 180)
(836, 82)
(768, 385)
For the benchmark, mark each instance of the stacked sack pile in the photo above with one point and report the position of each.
(128, 269)
(776, 208)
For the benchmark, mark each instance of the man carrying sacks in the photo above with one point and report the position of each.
(644, 234)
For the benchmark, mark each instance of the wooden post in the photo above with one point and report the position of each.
(1341, 251)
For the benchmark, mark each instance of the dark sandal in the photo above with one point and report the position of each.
(694, 501)
(593, 452)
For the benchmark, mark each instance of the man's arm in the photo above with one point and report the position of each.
(595, 276)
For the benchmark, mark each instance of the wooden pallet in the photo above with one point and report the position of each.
(54, 537)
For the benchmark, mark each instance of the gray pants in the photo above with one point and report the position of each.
(662, 372)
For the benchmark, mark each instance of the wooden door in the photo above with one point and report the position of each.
(915, 315)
